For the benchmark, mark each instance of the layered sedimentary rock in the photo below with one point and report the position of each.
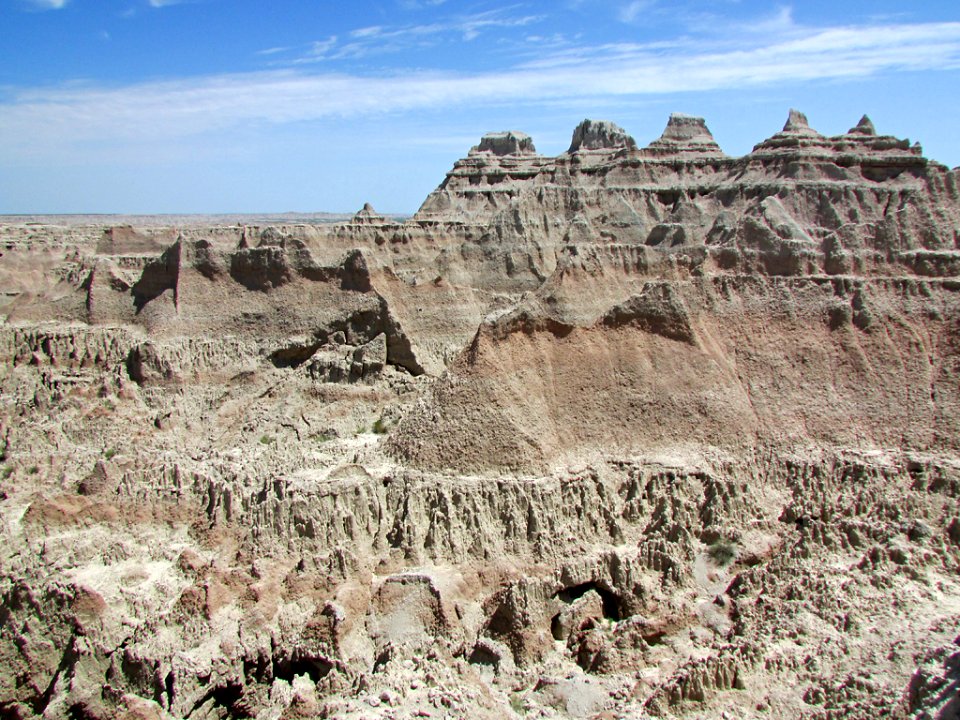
(623, 432)
(600, 135)
(505, 143)
(675, 265)
(685, 135)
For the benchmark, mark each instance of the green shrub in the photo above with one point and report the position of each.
(722, 552)
(109, 453)
(379, 426)
(33, 470)
(6, 472)
(265, 439)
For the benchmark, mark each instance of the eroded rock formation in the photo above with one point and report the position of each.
(625, 432)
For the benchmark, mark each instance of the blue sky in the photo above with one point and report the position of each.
(177, 106)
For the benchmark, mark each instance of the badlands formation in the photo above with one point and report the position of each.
(628, 432)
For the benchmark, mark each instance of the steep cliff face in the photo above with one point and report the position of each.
(624, 432)
(803, 294)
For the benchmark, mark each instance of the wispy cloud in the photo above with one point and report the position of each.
(420, 4)
(631, 11)
(382, 39)
(777, 23)
(51, 120)
(320, 48)
(46, 4)
(274, 50)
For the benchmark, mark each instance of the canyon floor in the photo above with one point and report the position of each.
(622, 433)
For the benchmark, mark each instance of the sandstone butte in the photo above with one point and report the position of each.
(623, 433)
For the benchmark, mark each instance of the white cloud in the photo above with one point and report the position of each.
(322, 47)
(471, 26)
(778, 23)
(48, 121)
(274, 50)
(380, 39)
(372, 31)
(629, 12)
(420, 4)
(48, 4)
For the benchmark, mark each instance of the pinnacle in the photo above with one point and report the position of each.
(864, 127)
(600, 135)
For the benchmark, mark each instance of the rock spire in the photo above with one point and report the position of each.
(797, 124)
(368, 216)
(600, 135)
(685, 134)
(864, 127)
(508, 142)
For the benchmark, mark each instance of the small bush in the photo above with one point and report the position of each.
(265, 439)
(380, 426)
(33, 470)
(722, 552)
(322, 437)
(109, 453)
(6, 472)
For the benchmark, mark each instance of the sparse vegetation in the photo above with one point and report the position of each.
(652, 476)
(722, 552)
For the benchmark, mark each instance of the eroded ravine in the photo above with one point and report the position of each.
(626, 432)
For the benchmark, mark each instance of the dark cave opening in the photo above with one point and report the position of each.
(610, 601)
(266, 669)
(316, 668)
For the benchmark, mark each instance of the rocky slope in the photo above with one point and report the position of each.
(627, 432)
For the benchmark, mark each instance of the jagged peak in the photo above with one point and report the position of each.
(864, 127)
(797, 124)
(600, 135)
(368, 215)
(685, 134)
(508, 142)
